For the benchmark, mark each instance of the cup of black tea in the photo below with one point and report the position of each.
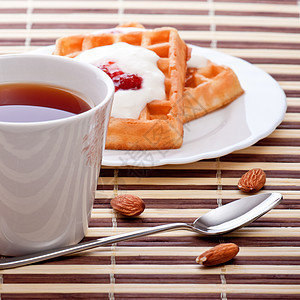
(54, 113)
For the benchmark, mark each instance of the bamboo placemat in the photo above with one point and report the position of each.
(162, 266)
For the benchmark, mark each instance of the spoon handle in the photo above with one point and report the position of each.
(18, 261)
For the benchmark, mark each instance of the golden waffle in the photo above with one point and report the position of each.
(208, 89)
(160, 124)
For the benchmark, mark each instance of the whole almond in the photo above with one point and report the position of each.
(252, 181)
(218, 254)
(128, 205)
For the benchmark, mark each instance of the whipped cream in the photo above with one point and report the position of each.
(196, 61)
(132, 60)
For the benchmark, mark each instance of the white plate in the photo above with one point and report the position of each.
(245, 121)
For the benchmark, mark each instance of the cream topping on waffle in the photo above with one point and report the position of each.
(196, 61)
(132, 60)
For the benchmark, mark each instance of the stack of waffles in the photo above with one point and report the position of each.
(190, 92)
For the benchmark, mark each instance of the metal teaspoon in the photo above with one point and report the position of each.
(221, 220)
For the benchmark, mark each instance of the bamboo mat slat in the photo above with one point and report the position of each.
(162, 266)
(242, 7)
(154, 269)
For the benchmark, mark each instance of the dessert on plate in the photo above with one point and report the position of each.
(158, 124)
(158, 87)
(208, 87)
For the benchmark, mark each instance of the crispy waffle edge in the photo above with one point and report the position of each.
(219, 88)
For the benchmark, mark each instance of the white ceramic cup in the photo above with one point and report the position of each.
(49, 169)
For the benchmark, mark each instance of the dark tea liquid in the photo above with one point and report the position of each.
(26, 102)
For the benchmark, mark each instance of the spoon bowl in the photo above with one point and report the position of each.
(236, 214)
(221, 220)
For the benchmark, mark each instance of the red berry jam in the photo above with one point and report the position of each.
(121, 80)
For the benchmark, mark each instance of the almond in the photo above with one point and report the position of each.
(128, 205)
(252, 181)
(218, 254)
